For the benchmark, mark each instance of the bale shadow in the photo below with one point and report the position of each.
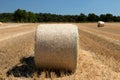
(26, 68)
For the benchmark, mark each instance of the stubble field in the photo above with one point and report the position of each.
(99, 53)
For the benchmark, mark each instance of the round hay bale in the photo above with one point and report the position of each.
(56, 46)
(0, 23)
(101, 24)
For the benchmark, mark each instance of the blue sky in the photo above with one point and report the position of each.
(63, 6)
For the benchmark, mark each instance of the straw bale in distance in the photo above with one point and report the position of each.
(0, 23)
(101, 24)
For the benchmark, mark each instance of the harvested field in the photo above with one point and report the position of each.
(99, 53)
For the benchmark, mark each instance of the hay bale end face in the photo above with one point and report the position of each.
(56, 46)
(101, 24)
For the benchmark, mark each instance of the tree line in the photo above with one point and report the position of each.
(24, 16)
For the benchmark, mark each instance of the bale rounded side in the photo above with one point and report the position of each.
(56, 46)
(101, 24)
(0, 23)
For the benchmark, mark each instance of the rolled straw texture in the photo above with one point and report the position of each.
(0, 23)
(56, 46)
(101, 24)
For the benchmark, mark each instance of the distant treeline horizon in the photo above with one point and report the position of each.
(23, 16)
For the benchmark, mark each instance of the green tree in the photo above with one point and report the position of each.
(6, 17)
(82, 17)
(92, 17)
(102, 17)
(20, 15)
(109, 18)
(31, 17)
